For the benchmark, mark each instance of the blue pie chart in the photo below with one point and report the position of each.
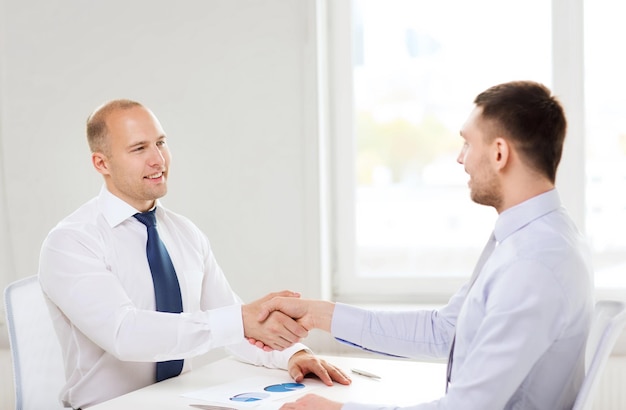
(248, 397)
(284, 387)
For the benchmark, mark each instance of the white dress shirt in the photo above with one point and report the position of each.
(95, 273)
(521, 330)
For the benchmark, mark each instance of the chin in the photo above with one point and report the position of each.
(478, 198)
(159, 193)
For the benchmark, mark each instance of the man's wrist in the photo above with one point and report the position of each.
(322, 314)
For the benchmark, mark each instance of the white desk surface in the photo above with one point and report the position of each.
(402, 383)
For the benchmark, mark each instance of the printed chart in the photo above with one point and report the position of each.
(252, 391)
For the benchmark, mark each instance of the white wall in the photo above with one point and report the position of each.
(234, 85)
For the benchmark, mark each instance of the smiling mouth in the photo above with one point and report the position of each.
(155, 176)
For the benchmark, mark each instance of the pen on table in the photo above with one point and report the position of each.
(365, 373)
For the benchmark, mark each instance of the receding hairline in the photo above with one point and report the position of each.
(96, 122)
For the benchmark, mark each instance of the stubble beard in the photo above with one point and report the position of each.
(487, 191)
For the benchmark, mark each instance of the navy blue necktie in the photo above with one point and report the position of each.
(166, 287)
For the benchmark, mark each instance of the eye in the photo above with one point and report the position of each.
(137, 149)
(160, 143)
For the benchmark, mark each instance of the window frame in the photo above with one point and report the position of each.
(567, 83)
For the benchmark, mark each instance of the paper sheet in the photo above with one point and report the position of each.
(253, 392)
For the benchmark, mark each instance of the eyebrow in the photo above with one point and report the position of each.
(140, 143)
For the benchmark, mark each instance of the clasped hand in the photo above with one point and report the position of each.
(276, 330)
(308, 313)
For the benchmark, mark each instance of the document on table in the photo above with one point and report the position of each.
(253, 392)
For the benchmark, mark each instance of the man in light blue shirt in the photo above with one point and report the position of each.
(515, 334)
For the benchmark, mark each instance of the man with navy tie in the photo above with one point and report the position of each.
(134, 289)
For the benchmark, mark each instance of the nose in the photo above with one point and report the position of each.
(156, 157)
(461, 157)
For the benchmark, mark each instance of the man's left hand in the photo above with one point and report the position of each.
(303, 362)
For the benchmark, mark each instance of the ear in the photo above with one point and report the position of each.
(100, 163)
(502, 153)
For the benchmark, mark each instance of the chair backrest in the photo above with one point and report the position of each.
(37, 359)
(608, 323)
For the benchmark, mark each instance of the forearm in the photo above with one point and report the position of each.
(415, 334)
(157, 336)
(96, 303)
(320, 315)
(248, 353)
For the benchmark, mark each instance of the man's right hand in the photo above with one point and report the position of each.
(310, 313)
(275, 330)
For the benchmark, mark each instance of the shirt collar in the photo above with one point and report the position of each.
(114, 209)
(522, 214)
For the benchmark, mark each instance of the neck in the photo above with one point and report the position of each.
(516, 192)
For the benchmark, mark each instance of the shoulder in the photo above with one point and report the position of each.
(552, 242)
(548, 260)
(83, 220)
(83, 233)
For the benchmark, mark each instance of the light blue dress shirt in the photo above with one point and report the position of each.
(520, 330)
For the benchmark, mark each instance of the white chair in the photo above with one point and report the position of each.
(37, 359)
(608, 323)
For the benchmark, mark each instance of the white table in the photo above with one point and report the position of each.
(402, 383)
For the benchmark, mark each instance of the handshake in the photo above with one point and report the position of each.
(278, 320)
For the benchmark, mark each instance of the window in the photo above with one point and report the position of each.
(403, 85)
(605, 117)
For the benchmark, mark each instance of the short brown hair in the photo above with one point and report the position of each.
(532, 117)
(96, 123)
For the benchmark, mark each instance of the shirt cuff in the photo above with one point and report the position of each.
(290, 351)
(226, 324)
(347, 322)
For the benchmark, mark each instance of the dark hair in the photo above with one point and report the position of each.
(97, 127)
(532, 118)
